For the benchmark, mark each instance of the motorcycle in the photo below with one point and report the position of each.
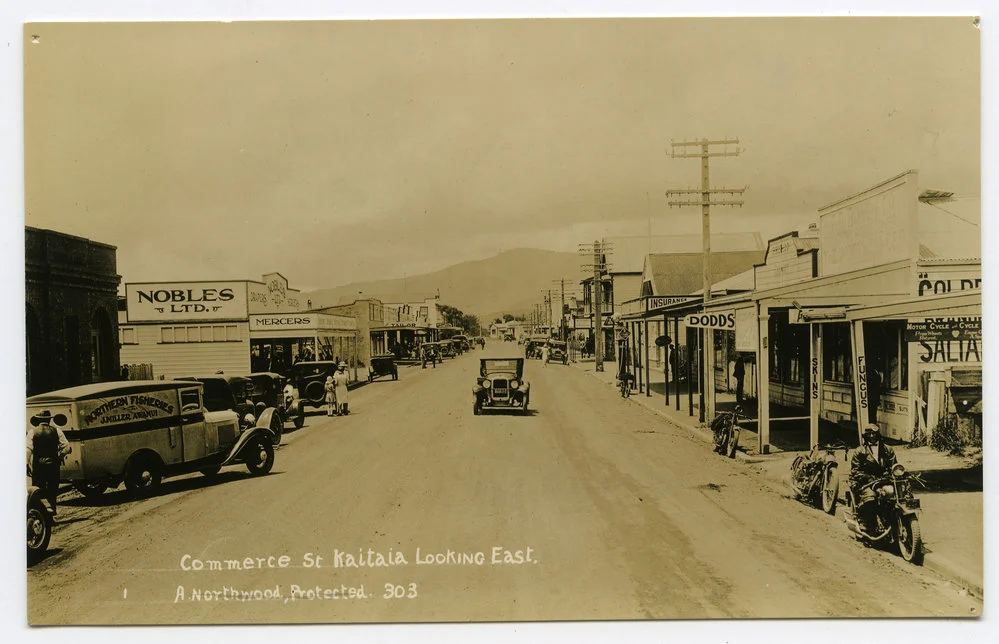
(726, 429)
(896, 514)
(815, 478)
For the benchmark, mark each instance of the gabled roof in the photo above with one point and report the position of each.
(950, 228)
(627, 254)
(680, 273)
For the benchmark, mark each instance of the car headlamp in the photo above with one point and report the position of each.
(886, 490)
(249, 419)
(486, 384)
(514, 384)
(898, 470)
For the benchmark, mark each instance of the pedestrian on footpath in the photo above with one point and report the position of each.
(739, 371)
(340, 379)
(47, 448)
(330, 396)
(544, 354)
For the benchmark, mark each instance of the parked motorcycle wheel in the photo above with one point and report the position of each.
(910, 539)
(733, 440)
(830, 489)
(795, 486)
(39, 530)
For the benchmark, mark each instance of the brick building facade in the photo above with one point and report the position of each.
(71, 319)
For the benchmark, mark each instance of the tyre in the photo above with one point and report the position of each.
(371, 377)
(395, 375)
(277, 426)
(794, 484)
(300, 416)
(830, 489)
(910, 539)
(143, 475)
(39, 530)
(527, 399)
(476, 409)
(259, 457)
(90, 489)
(733, 441)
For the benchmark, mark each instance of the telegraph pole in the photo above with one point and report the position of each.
(599, 265)
(705, 202)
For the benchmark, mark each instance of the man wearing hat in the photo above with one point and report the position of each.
(340, 379)
(47, 447)
(867, 466)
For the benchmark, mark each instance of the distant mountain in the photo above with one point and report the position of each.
(509, 282)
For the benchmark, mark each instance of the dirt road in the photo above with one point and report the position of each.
(588, 508)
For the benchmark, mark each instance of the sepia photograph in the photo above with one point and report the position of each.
(489, 320)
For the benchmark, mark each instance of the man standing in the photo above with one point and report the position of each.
(739, 371)
(47, 447)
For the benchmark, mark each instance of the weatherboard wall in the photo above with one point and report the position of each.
(173, 359)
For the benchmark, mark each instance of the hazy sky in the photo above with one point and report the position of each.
(342, 151)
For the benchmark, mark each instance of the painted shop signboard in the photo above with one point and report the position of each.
(185, 301)
(127, 408)
(946, 340)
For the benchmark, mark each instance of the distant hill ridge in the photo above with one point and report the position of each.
(511, 281)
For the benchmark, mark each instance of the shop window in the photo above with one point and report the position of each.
(788, 349)
(887, 352)
(207, 333)
(837, 353)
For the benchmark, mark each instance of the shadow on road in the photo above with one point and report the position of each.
(121, 495)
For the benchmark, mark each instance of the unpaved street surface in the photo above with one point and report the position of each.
(591, 507)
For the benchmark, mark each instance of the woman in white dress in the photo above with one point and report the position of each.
(340, 379)
(330, 395)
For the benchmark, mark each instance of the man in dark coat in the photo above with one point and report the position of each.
(47, 447)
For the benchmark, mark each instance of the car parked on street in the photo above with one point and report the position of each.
(138, 432)
(501, 385)
(309, 378)
(269, 390)
(383, 366)
(558, 351)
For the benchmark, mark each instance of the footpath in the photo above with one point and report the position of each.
(952, 509)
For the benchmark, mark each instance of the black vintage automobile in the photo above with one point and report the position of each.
(501, 385)
(269, 391)
(224, 392)
(558, 351)
(310, 380)
(383, 365)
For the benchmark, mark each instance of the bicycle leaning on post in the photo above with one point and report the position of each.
(726, 430)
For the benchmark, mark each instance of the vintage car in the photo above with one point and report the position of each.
(461, 343)
(39, 525)
(383, 366)
(558, 351)
(501, 385)
(140, 431)
(269, 389)
(310, 380)
(446, 349)
(236, 393)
